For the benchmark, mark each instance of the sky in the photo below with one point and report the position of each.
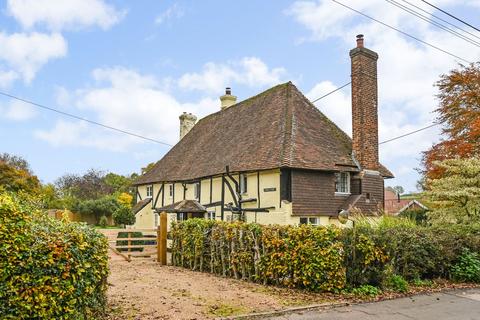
(137, 65)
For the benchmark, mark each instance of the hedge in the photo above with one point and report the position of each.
(49, 269)
(321, 258)
(304, 257)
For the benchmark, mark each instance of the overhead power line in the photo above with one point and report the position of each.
(451, 15)
(410, 133)
(83, 119)
(441, 19)
(433, 22)
(402, 32)
(329, 93)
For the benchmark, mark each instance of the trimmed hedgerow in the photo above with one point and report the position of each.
(302, 257)
(385, 254)
(49, 269)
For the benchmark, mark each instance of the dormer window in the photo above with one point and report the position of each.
(342, 182)
(149, 191)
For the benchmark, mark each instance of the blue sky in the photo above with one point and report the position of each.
(138, 65)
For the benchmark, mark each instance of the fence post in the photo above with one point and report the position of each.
(162, 239)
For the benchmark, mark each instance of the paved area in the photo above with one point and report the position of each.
(457, 305)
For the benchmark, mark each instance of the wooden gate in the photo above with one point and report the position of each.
(129, 243)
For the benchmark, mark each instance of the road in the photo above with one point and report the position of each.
(457, 305)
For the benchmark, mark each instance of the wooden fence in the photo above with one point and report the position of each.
(152, 242)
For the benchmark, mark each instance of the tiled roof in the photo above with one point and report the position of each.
(183, 206)
(274, 129)
(141, 204)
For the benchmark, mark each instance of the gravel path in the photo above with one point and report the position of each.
(143, 289)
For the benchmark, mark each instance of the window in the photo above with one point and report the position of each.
(312, 221)
(149, 191)
(210, 215)
(156, 219)
(342, 182)
(170, 191)
(182, 216)
(196, 191)
(243, 183)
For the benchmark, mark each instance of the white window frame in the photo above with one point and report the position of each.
(243, 183)
(210, 215)
(338, 176)
(314, 221)
(196, 191)
(170, 190)
(149, 191)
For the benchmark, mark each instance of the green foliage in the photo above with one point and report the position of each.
(49, 269)
(456, 194)
(15, 175)
(467, 268)
(395, 283)
(366, 290)
(422, 282)
(386, 253)
(104, 206)
(103, 222)
(124, 216)
(418, 215)
(302, 257)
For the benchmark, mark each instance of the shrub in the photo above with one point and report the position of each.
(303, 257)
(395, 283)
(49, 269)
(366, 291)
(103, 222)
(467, 268)
(124, 216)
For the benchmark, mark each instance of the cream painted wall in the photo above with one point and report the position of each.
(281, 214)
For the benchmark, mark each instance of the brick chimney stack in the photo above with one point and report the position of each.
(364, 105)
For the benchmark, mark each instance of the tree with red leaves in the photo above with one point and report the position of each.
(459, 113)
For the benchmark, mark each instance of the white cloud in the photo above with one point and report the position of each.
(407, 69)
(64, 14)
(249, 71)
(17, 111)
(24, 54)
(173, 12)
(124, 99)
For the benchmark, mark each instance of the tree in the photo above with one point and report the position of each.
(396, 189)
(456, 195)
(124, 216)
(104, 206)
(148, 167)
(118, 182)
(459, 113)
(125, 199)
(89, 186)
(16, 176)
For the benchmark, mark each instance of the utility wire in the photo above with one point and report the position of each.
(83, 119)
(402, 32)
(410, 133)
(167, 144)
(329, 93)
(441, 19)
(451, 15)
(435, 23)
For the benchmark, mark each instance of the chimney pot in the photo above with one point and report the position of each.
(228, 99)
(360, 41)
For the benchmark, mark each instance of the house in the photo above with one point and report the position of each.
(394, 205)
(273, 158)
